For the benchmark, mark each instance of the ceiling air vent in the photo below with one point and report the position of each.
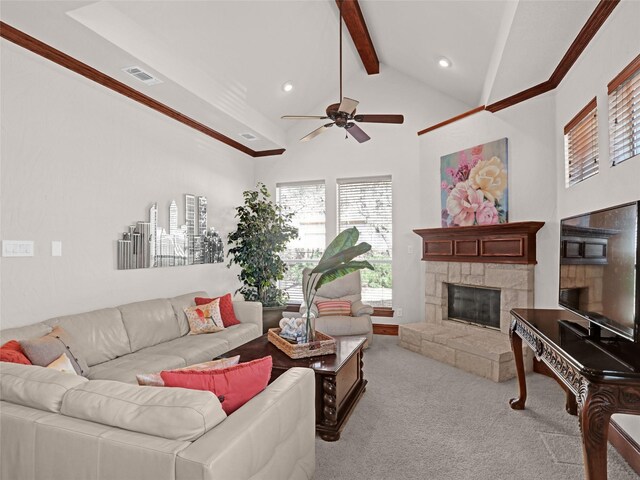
(249, 136)
(142, 75)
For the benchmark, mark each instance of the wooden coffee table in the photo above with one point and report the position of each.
(339, 378)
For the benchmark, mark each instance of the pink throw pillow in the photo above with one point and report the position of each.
(234, 385)
(334, 308)
(226, 309)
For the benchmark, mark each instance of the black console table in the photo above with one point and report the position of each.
(602, 372)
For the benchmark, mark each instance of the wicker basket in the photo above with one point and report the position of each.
(324, 345)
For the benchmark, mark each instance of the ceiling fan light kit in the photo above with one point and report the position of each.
(343, 114)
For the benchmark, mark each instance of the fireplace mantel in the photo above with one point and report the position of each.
(502, 243)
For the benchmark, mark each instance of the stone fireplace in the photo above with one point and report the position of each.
(489, 270)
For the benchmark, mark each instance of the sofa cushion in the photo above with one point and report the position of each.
(100, 334)
(149, 323)
(226, 308)
(190, 348)
(125, 369)
(344, 325)
(12, 352)
(334, 308)
(176, 414)
(44, 350)
(205, 318)
(239, 334)
(181, 302)
(36, 387)
(235, 385)
(63, 364)
(23, 333)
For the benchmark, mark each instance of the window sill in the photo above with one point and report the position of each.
(377, 311)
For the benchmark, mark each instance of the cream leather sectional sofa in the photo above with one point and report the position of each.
(60, 426)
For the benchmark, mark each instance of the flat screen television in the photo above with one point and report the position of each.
(599, 266)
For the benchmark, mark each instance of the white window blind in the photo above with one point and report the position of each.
(581, 145)
(366, 204)
(624, 114)
(306, 200)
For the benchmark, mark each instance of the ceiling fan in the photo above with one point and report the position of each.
(343, 114)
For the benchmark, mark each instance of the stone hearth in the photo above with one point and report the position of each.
(499, 256)
(479, 350)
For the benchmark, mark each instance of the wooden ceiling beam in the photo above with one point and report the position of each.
(354, 20)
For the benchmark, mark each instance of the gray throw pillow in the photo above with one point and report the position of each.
(44, 350)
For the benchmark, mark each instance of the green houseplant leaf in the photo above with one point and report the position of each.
(337, 261)
(345, 239)
(262, 233)
(340, 257)
(344, 269)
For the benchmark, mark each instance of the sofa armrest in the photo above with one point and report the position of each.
(271, 436)
(303, 309)
(358, 309)
(249, 312)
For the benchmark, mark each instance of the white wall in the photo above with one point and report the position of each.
(613, 48)
(392, 150)
(79, 164)
(531, 175)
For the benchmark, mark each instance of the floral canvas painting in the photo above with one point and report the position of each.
(474, 185)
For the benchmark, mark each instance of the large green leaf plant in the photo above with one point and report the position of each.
(262, 233)
(338, 260)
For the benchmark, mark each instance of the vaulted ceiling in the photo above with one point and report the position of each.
(223, 63)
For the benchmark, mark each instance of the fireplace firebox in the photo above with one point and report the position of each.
(477, 305)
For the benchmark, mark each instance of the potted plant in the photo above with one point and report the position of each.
(337, 261)
(262, 233)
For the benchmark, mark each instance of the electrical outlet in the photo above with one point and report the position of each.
(56, 248)
(410, 250)
(398, 312)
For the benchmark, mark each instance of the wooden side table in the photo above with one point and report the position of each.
(603, 374)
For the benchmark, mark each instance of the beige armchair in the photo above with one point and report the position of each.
(345, 288)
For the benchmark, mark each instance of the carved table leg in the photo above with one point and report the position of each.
(329, 410)
(516, 347)
(596, 404)
(571, 405)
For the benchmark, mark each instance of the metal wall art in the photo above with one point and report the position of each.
(147, 245)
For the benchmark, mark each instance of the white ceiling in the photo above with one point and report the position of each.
(223, 62)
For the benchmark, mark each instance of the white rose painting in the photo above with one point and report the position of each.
(474, 185)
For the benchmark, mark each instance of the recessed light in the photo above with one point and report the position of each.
(444, 62)
(287, 87)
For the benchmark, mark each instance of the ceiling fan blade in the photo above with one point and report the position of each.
(379, 118)
(303, 117)
(316, 132)
(357, 133)
(348, 105)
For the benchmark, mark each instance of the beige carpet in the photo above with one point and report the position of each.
(421, 419)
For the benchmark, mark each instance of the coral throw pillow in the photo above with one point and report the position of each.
(155, 380)
(226, 309)
(334, 308)
(234, 386)
(12, 352)
(204, 318)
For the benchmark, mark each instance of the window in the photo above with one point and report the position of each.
(581, 145)
(366, 203)
(624, 113)
(306, 200)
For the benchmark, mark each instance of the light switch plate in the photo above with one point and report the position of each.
(56, 248)
(17, 248)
